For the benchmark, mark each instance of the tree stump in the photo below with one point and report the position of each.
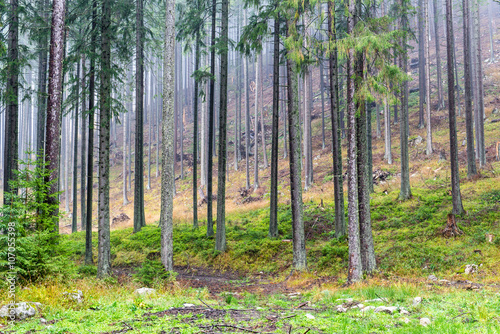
(451, 229)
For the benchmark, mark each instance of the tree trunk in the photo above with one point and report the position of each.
(340, 226)
(168, 158)
(150, 122)
(90, 161)
(195, 132)
(256, 126)
(247, 115)
(220, 238)
(428, 78)
(139, 215)
(262, 127)
(12, 108)
(387, 131)
(307, 116)
(42, 80)
(104, 245)
(455, 179)
(480, 97)
(83, 187)
(299, 242)
(273, 214)
(405, 192)
(438, 57)
(74, 225)
(471, 162)
(490, 28)
(421, 65)
(211, 112)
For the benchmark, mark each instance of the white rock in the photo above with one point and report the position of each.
(188, 305)
(470, 268)
(374, 300)
(386, 309)
(425, 322)
(340, 309)
(145, 291)
(418, 140)
(43, 321)
(310, 316)
(406, 320)
(347, 300)
(368, 308)
(404, 312)
(21, 310)
(444, 281)
(417, 300)
(432, 278)
(76, 295)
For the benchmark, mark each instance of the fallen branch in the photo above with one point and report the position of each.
(240, 328)
(205, 304)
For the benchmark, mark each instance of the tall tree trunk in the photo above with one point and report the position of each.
(438, 57)
(104, 245)
(247, 116)
(299, 240)
(387, 131)
(471, 162)
(340, 226)
(262, 127)
(490, 28)
(428, 78)
(12, 109)
(211, 111)
(220, 238)
(307, 116)
(150, 123)
(139, 215)
(83, 180)
(74, 225)
(195, 132)
(168, 158)
(480, 91)
(53, 127)
(273, 214)
(90, 161)
(421, 65)
(355, 271)
(405, 192)
(42, 80)
(455, 179)
(256, 126)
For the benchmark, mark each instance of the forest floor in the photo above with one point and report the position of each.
(251, 289)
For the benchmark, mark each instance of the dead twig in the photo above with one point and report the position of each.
(210, 307)
(306, 331)
(240, 328)
(458, 316)
(302, 305)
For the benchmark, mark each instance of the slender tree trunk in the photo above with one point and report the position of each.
(262, 127)
(480, 91)
(211, 111)
(83, 182)
(90, 161)
(220, 238)
(256, 126)
(139, 215)
(340, 225)
(421, 65)
(247, 116)
(387, 131)
(104, 245)
(307, 116)
(195, 133)
(181, 115)
(12, 109)
(150, 122)
(428, 78)
(405, 192)
(490, 28)
(299, 241)
(455, 179)
(471, 162)
(168, 158)
(42, 81)
(438, 57)
(74, 225)
(273, 214)
(322, 93)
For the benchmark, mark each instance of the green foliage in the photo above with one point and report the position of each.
(151, 272)
(29, 222)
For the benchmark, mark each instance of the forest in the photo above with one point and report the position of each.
(248, 166)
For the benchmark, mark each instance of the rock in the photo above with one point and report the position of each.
(188, 305)
(20, 311)
(43, 321)
(464, 142)
(122, 217)
(386, 309)
(340, 309)
(368, 308)
(145, 292)
(418, 140)
(75, 295)
(310, 316)
(495, 111)
(406, 320)
(404, 312)
(417, 300)
(432, 278)
(425, 322)
(375, 300)
(470, 269)
(347, 300)
(444, 281)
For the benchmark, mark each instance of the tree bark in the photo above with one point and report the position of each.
(421, 65)
(74, 224)
(83, 180)
(438, 57)
(42, 80)
(256, 126)
(428, 77)
(168, 158)
(480, 91)
(455, 179)
(220, 238)
(211, 134)
(387, 131)
(195, 132)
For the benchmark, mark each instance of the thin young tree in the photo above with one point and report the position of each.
(438, 57)
(74, 224)
(428, 78)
